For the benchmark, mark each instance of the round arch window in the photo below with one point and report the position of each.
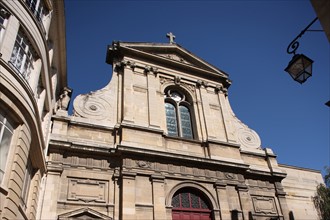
(189, 203)
(178, 114)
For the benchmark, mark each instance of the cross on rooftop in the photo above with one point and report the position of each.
(171, 37)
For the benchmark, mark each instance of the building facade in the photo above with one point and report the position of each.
(160, 141)
(32, 76)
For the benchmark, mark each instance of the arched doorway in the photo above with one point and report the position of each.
(190, 204)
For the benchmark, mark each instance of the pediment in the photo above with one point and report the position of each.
(83, 214)
(165, 51)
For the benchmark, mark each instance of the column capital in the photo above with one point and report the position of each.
(54, 168)
(157, 178)
(242, 187)
(128, 175)
(220, 185)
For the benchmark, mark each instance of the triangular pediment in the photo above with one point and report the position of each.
(173, 53)
(83, 214)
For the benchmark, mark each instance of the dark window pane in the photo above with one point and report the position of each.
(185, 200)
(176, 201)
(171, 121)
(204, 205)
(194, 201)
(185, 122)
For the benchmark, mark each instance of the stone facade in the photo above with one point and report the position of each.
(32, 76)
(116, 157)
(160, 141)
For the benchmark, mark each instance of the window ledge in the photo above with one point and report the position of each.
(182, 139)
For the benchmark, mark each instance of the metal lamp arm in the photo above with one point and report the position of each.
(293, 46)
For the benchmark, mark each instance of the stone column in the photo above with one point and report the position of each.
(245, 200)
(158, 196)
(128, 195)
(282, 200)
(222, 199)
(52, 191)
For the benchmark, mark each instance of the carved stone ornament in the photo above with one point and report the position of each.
(164, 80)
(248, 138)
(174, 57)
(94, 105)
(230, 176)
(143, 164)
(130, 64)
(177, 80)
(150, 69)
(64, 100)
(200, 83)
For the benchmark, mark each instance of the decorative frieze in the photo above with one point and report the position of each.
(80, 161)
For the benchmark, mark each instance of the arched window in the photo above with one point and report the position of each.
(189, 203)
(178, 114)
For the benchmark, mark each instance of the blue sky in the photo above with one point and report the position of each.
(246, 39)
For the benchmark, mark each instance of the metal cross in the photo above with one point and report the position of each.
(171, 37)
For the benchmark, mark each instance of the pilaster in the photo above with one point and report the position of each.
(245, 200)
(128, 195)
(116, 195)
(222, 199)
(52, 190)
(282, 200)
(128, 110)
(201, 112)
(225, 108)
(158, 196)
(153, 98)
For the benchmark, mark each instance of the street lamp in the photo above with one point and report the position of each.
(300, 67)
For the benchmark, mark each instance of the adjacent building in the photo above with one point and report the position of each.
(160, 141)
(32, 76)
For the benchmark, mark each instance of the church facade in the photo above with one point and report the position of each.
(160, 141)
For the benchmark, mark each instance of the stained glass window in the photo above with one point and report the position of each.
(178, 115)
(171, 120)
(185, 122)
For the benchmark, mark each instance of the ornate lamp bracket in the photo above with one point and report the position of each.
(293, 46)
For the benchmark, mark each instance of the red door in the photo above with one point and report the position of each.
(190, 204)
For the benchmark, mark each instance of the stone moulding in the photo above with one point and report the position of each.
(81, 212)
